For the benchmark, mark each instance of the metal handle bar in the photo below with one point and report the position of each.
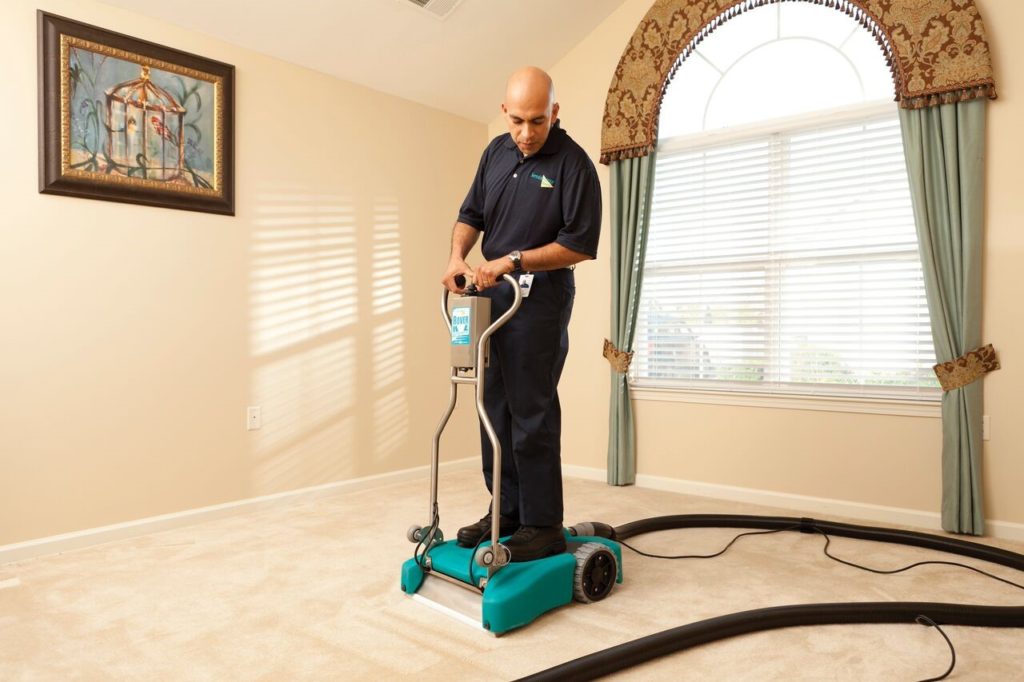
(479, 383)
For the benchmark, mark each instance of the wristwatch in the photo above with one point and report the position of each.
(517, 261)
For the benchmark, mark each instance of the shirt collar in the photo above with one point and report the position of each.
(551, 145)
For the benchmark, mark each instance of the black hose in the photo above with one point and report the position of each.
(676, 639)
(941, 543)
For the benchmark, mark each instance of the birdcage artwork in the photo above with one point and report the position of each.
(128, 120)
(144, 128)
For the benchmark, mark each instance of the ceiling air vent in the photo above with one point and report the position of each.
(439, 8)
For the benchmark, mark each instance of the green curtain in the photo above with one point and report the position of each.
(944, 147)
(631, 190)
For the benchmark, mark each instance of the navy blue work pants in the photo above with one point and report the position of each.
(521, 397)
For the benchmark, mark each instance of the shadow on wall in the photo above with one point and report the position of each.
(327, 341)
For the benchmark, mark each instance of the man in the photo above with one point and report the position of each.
(537, 201)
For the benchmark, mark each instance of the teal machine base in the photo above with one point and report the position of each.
(517, 593)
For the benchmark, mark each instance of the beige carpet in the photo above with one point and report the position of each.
(311, 592)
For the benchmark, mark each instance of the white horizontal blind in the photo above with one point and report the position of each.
(786, 262)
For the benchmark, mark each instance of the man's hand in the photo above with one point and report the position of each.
(456, 267)
(489, 274)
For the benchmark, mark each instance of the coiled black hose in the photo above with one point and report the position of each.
(677, 639)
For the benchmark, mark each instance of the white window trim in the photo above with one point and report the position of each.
(816, 403)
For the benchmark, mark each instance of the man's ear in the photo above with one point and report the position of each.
(554, 112)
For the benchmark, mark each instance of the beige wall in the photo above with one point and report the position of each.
(133, 338)
(874, 459)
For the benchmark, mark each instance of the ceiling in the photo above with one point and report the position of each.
(458, 64)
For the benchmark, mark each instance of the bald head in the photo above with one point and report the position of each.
(530, 108)
(530, 85)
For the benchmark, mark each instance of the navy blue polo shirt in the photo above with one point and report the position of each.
(524, 203)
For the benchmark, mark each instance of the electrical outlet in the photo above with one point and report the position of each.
(254, 419)
(986, 428)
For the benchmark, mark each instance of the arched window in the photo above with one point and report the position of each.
(782, 255)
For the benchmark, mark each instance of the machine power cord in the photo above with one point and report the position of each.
(922, 619)
(706, 556)
(426, 539)
(925, 620)
(828, 542)
(638, 651)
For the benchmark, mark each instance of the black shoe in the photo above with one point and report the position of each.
(536, 542)
(470, 536)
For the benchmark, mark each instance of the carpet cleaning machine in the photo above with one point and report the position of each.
(506, 595)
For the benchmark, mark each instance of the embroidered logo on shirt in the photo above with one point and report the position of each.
(545, 181)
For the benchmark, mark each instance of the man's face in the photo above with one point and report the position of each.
(529, 122)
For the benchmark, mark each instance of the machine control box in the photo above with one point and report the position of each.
(471, 315)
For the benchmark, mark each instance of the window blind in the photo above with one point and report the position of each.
(786, 262)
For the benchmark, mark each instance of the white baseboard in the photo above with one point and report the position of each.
(93, 536)
(586, 473)
(820, 507)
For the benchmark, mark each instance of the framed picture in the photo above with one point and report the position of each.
(127, 120)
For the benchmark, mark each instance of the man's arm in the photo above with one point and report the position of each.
(463, 238)
(551, 256)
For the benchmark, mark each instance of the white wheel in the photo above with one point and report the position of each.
(413, 534)
(492, 557)
(484, 556)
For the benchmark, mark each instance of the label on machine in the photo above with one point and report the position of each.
(461, 320)
(470, 317)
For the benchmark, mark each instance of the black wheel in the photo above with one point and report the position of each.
(596, 572)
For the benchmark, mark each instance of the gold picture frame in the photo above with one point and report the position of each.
(122, 119)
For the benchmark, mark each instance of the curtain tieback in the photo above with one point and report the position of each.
(619, 360)
(969, 367)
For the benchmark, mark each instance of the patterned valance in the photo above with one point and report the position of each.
(936, 49)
